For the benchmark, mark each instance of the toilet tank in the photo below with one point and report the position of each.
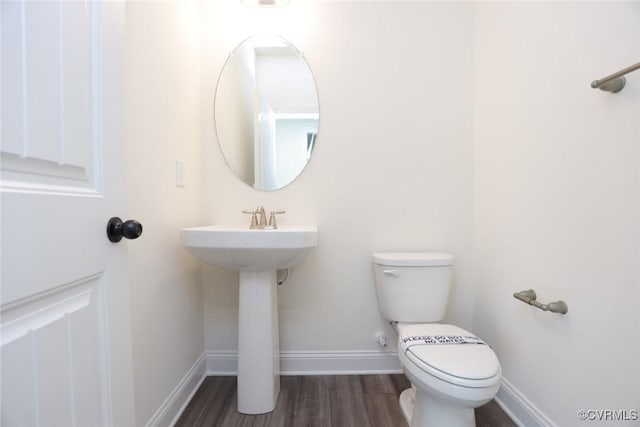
(413, 286)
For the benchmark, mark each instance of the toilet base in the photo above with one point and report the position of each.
(422, 410)
(407, 401)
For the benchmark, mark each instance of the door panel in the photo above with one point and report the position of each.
(53, 357)
(64, 301)
(51, 96)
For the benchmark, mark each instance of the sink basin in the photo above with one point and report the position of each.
(257, 254)
(240, 248)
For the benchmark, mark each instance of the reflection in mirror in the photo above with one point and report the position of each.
(266, 112)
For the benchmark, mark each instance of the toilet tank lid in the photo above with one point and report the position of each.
(413, 259)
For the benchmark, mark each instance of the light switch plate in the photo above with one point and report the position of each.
(180, 173)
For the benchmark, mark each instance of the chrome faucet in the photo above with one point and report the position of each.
(259, 219)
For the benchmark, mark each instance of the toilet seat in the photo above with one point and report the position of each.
(469, 365)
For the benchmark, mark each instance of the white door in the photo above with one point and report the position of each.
(64, 302)
(265, 144)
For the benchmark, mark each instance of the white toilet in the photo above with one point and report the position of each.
(451, 370)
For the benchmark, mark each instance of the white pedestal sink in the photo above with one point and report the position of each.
(257, 254)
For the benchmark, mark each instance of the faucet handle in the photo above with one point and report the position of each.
(254, 218)
(272, 219)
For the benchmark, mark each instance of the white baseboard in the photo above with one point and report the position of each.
(179, 398)
(314, 363)
(339, 363)
(519, 409)
(221, 363)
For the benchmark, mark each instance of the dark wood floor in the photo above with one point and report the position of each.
(331, 401)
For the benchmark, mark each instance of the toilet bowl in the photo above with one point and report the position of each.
(452, 372)
(449, 380)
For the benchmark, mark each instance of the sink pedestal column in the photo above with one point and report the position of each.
(258, 343)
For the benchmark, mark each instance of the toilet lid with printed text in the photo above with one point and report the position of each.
(450, 353)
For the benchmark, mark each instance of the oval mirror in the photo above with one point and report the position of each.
(266, 112)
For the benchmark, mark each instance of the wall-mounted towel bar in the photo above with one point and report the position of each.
(529, 296)
(614, 82)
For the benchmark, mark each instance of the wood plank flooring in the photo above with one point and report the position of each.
(317, 401)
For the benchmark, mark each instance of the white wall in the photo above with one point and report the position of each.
(285, 69)
(234, 97)
(163, 102)
(556, 201)
(391, 170)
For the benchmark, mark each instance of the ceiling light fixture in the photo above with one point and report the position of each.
(267, 3)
